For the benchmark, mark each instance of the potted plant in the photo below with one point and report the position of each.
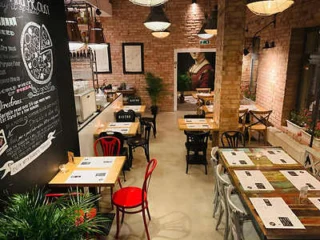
(297, 121)
(306, 135)
(154, 87)
(32, 216)
(184, 84)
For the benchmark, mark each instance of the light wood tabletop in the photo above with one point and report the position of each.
(204, 96)
(197, 124)
(61, 179)
(135, 108)
(306, 211)
(128, 129)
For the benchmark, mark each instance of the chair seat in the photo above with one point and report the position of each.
(136, 141)
(237, 201)
(249, 232)
(258, 127)
(128, 197)
(148, 119)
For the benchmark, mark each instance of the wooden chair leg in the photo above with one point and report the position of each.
(249, 134)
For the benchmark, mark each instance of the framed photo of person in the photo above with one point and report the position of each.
(132, 57)
(103, 58)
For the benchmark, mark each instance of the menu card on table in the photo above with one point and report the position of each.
(120, 124)
(237, 158)
(195, 120)
(275, 213)
(278, 156)
(200, 126)
(120, 130)
(253, 180)
(132, 107)
(82, 176)
(301, 178)
(97, 162)
(315, 201)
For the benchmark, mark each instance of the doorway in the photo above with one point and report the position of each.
(182, 63)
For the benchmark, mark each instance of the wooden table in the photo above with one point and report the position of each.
(307, 213)
(204, 96)
(118, 126)
(135, 108)
(60, 180)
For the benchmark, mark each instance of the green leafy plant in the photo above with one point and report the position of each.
(249, 94)
(184, 82)
(154, 87)
(301, 118)
(31, 216)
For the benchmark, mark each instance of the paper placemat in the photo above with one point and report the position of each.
(203, 94)
(120, 130)
(83, 176)
(237, 158)
(315, 201)
(275, 213)
(133, 107)
(97, 162)
(253, 180)
(195, 120)
(120, 124)
(200, 126)
(301, 178)
(278, 156)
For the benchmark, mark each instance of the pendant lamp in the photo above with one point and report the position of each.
(202, 33)
(161, 34)
(212, 24)
(157, 20)
(268, 7)
(74, 36)
(148, 3)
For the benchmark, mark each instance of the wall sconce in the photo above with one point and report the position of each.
(246, 51)
(194, 1)
(268, 45)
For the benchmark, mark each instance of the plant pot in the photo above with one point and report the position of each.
(181, 98)
(306, 137)
(295, 129)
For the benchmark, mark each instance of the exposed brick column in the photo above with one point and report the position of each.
(230, 40)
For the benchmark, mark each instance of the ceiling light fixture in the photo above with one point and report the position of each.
(212, 24)
(157, 20)
(148, 3)
(202, 33)
(161, 34)
(194, 1)
(74, 35)
(268, 7)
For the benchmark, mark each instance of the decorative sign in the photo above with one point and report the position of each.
(29, 102)
(204, 42)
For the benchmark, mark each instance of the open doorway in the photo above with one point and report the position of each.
(194, 68)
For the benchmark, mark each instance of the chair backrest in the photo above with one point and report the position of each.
(203, 90)
(242, 115)
(114, 134)
(134, 100)
(259, 117)
(201, 114)
(197, 141)
(146, 130)
(110, 146)
(147, 176)
(128, 116)
(236, 216)
(312, 163)
(213, 155)
(221, 183)
(232, 139)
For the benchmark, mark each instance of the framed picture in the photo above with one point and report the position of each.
(132, 56)
(103, 59)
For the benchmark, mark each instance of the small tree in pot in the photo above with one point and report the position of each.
(154, 87)
(184, 84)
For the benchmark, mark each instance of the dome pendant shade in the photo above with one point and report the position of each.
(268, 7)
(157, 20)
(161, 34)
(96, 34)
(212, 24)
(148, 3)
(203, 34)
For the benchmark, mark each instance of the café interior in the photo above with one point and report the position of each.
(200, 116)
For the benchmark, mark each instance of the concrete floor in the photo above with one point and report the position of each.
(180, 204)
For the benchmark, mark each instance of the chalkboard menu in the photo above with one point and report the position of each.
(32, 44)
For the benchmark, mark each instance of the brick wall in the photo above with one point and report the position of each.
(276, 87)
(126, 25)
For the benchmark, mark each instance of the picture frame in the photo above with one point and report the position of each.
(103, 59)
(133, 59)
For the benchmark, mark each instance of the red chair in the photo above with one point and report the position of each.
(128, 198)
(110, 146)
